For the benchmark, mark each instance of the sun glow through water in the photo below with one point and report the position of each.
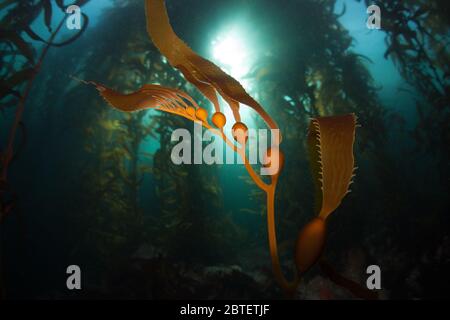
(233, 54)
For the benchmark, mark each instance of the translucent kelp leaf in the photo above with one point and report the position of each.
(330, 143)
(150, 96)
(202, 73)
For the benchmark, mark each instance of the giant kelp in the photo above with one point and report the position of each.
(332, 137)
(308, 71)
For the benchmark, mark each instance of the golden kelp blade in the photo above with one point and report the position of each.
(202, 73)
(150, 97)
(330, 142)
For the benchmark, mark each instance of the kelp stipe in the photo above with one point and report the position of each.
(330, 140)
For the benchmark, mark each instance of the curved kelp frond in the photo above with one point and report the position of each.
(150, 96)
(330, 142)
(202, 73)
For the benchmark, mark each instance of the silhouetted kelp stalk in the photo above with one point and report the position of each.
(28, 75)
(331, 138)
(7, 86)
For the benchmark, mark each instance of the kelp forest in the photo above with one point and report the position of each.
(85, 184)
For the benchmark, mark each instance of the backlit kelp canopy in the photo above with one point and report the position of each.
(330, 138)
